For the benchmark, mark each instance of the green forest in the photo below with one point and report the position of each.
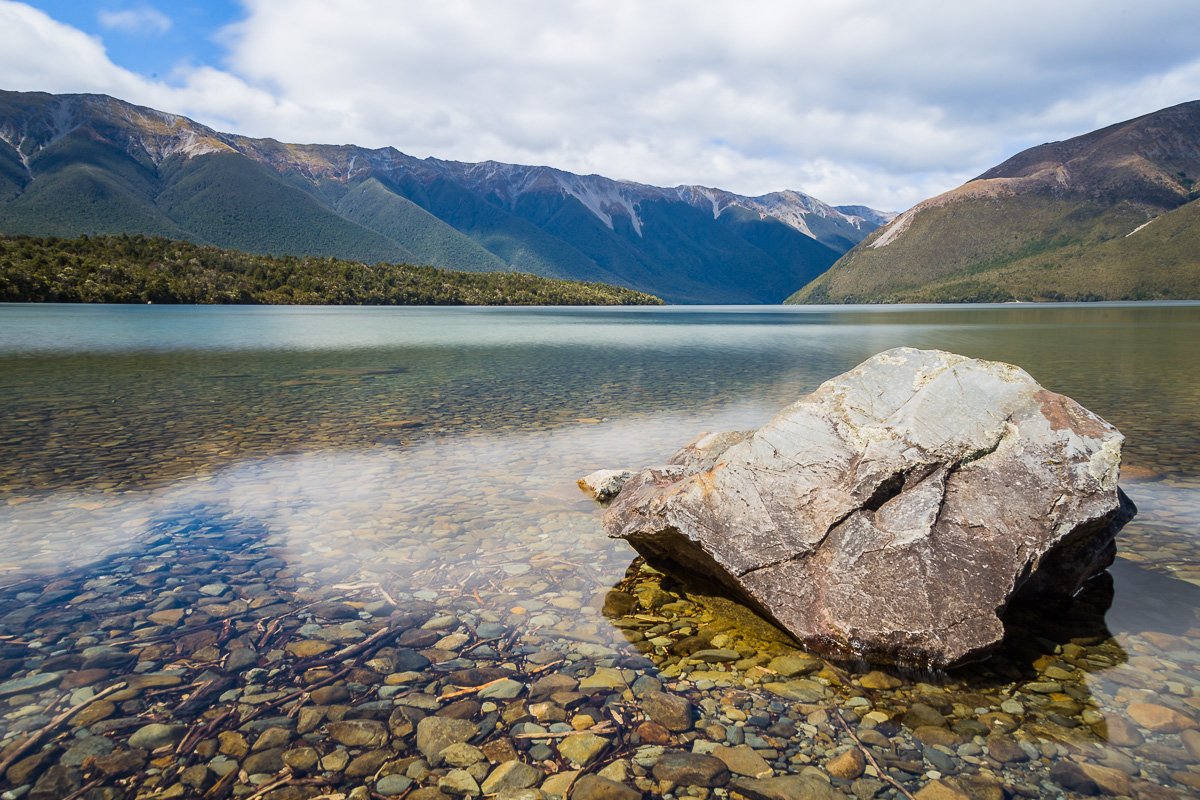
(142, 269)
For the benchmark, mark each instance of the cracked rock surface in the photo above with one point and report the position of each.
(894, 513)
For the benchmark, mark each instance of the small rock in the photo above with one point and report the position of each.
(359, 733)
(582, 748)
(671, 711)
(30, 683)
(1111, 781)
(460, 783)
(557, 785)
(802, 690)
(1005, 749)
(1159, 719)
(264, 762)
(691, 769)
(240, 658)
(461, 754)
(921, 714)
(232, 744)
(308, 648)
(1119, 731)
(435, 734)
(1191, 741)
(197, 777)
(594, 787)
(786, 787)
(879, 680)
(156, 735)
(505, 689)
(848, 765)
(932, 735)
(122, 762)
(651, 732)
(84, 748)
(1071, 776)
(392, 785)
(604, 484)
(511, 775)
(56, 783)
(301, 759)
(743, 760)
(368, 763)
(939, 790)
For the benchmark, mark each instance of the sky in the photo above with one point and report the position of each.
(851, 101)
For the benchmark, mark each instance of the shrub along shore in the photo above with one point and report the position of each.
(142, 269)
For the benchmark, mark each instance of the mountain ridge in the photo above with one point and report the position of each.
(77, 164)
(1053, 222)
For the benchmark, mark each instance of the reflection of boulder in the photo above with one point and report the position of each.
(893, 513)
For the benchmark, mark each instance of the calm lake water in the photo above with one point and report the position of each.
(429, 456)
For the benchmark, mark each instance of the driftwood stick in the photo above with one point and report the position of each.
(603, 728)
(298, 693)
(59, 719)
(282, 779)
(883, 775)
(223, 786)
(469, 690)
(82, 790)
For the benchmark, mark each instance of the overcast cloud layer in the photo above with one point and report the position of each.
(853, 102)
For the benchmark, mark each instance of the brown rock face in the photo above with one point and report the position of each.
(892, 514)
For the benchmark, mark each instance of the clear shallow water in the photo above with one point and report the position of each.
(433, 453)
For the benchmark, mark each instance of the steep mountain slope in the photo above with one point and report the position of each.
(74, 164)
(1066, 220)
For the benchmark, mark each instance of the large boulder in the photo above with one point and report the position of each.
(894, 513)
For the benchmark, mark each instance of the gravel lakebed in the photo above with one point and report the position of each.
(217, 658)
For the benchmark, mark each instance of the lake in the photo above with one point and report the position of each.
(223, 506)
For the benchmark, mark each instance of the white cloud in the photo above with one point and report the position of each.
(852, 101)
(143, 20)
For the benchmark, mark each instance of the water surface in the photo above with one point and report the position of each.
(432, 453)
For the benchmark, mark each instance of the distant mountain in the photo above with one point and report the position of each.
(1113, 214)
(89, 164)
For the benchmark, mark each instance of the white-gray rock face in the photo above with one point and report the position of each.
(893, 513)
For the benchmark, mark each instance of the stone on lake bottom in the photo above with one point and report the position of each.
(786, 787)
(155, 735)
(511, 775)
(895, 512)
(359, 733)
(582, 748)
(847, 765)
(743, 760)
(594, 787)
(435, 734)
(691, 769)
(1158, 718)
(671, 711)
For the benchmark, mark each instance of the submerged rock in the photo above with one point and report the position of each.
(895, 512)
(604, 484)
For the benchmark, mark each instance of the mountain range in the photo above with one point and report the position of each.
(1110, 215)
(92, 164)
